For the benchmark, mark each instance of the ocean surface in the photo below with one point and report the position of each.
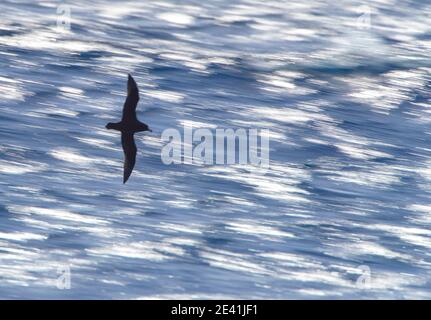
(344, 211)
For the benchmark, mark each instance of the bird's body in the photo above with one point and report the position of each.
(135, 126)
(128, 126)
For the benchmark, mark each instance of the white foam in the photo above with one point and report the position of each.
(176, 18)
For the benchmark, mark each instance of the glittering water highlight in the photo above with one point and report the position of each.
(347, 105)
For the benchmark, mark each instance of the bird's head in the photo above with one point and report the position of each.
(146, 128)
(110, 125)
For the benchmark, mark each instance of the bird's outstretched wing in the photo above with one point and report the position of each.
(129, 148)
(129, 108)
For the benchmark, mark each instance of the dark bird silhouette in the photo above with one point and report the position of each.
(128, 125)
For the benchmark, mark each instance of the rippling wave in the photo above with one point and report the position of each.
(347, 105)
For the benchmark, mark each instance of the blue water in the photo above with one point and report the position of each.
(348, 189)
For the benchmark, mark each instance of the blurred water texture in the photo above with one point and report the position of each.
(349, 183)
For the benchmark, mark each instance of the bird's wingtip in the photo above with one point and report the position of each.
(125, 179)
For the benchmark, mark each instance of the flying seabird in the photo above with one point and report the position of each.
(128, 125)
